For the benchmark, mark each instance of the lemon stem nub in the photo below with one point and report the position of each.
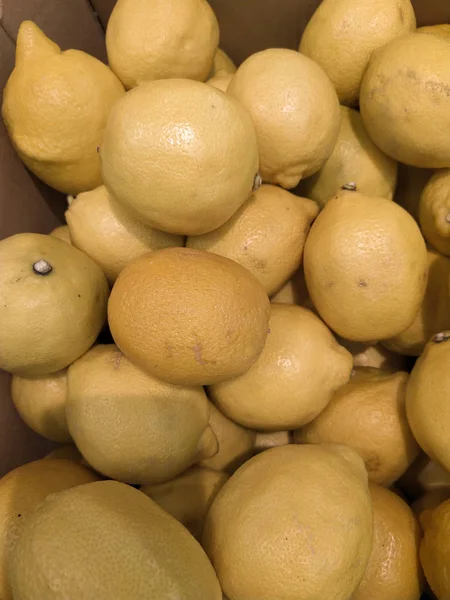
(350, 186)
(42, 267)
(257, 182)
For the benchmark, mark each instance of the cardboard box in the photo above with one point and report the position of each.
(26, 204)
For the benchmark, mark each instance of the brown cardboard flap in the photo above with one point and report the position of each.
(103, 9)
(26, 205)
(69, 23)
(432, 12)
(247, 26)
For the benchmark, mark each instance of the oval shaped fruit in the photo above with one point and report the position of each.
(52, 304)
(368, 413)
(294, 291)
(180, 155)
(55, 107)
(427, 399)
(266, 235)
(442, 30)
(236, 443)
(435, 550)
(271, 439)
(109, 235)
(221, 80)
(404, 97)
(67, 451)
(41, 402)
(268, 531)
(433, 315)
(189, 496)
(295, 111)
(21, 491)
(189, 317)
(151, 554)
(434, 211)
(161, 39)
(355, 161)
(286, 387)
(394, 570)
(374, 355)
(222, 62)
(62, 232)
(365, 264)
(342, 35)
(132, 427)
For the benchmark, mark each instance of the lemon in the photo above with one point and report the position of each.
(55, 107)
(52, 304)
(107, 540)
(266, 235)
(295, 110)
(132, 427)
(41, 402)
(163, 314)
(180, 155)
(161, 39)
(269, 528)
(110, 236)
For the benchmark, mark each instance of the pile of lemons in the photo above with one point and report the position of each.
(241, 335)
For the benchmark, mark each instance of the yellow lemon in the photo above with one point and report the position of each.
(161, 39)
(355, 162)
(41, 402)
(295, 110)
(287, 386)
(269, 528)
(342, 35)
(180, 155)
(266, 235)
(21, 491)
(221, 80)
(433, 315)
(222, 62)
(394, 570)
(236, 443)
(132, 427)
(55, 107)
(368, 413)
(188, 316)
(107, 540)
(62, 232)
(189, 496)
(109, 235)
(403, 100)
(52, 304)
(366, 267)
(434, 211)
(435, 550)
(427, 399)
